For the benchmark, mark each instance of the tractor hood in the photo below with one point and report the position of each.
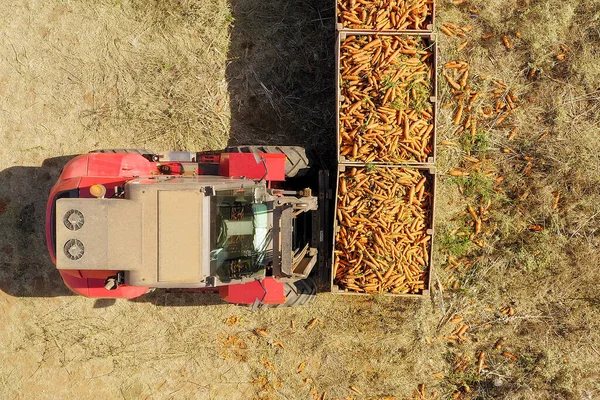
(96, 234)
(158, 234)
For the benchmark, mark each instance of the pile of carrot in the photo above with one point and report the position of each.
(460, 31)
(386, 114)
(385, 14)
(472, 110)
(382, 245)
(470, 105)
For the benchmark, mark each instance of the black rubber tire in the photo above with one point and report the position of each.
(297, 294)
(127, 151)
(297, 163)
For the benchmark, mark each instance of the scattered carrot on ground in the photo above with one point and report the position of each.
(480, 360)
(452, 30)
(234, 319)
(260, 332)
(278, 344)
(355, 389)
(301, 366)
(556, 195)
(312, 323)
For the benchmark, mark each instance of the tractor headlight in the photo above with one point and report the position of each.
(98, 191)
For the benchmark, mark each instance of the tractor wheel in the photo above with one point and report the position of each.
(297, 162)
(297, 293)
(127, 151)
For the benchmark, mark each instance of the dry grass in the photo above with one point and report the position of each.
(198, 75)
(542, 275)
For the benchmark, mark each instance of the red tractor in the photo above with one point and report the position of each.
(120, 223)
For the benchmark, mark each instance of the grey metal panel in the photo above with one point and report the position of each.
(206, 228)
(287, 251)
(124, 235)
(111, 234)
(276, 241)
(179, 236)
(175, 270)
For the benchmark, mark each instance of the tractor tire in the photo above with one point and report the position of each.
(297, 163)
(297, 293)
(126, 151)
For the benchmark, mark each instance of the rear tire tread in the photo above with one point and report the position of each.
(123, 151)
(297, 293)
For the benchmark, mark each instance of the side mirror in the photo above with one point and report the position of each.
(259, 159)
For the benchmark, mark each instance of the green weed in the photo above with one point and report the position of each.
(480, 143)
(476, 185)
(370, 167)
(422, 92)
(456, 246)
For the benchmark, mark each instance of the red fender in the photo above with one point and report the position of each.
(91, 284)
(267, 291)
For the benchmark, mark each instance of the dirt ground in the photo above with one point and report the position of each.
(77, 76)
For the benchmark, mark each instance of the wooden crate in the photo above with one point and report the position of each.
(426, 172)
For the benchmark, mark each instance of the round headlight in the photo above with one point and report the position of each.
(98, 190)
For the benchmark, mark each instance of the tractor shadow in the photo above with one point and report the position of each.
(26, 269)
(25, 266)
(169, 298)
(281, 75)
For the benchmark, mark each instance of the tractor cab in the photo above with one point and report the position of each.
(184, 232)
